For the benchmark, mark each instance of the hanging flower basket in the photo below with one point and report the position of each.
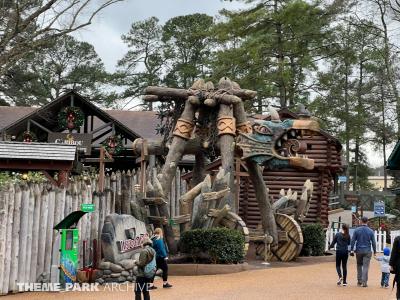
(70, 117)
(113, 144)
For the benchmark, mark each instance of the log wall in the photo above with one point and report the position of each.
(29, 247)
(326, 153)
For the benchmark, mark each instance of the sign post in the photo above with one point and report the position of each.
(379, 210)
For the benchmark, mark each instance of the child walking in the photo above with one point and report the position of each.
(385, 268)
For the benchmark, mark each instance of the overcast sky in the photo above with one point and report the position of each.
(107, 28)
(105, 32)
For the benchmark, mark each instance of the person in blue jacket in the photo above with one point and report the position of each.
(161, 256)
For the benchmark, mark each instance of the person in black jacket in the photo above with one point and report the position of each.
(342, 241)
(394, 264)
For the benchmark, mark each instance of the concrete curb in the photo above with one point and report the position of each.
(205, 269)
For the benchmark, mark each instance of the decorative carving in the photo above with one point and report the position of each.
(251, 147)
(183, 128)
(226, 125)
(245, 127)
(262, 129)
(295, 146)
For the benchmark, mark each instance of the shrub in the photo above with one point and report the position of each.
(314, 240)
(221, 245)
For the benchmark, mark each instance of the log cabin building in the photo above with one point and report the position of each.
(326, 152)
(25, 130)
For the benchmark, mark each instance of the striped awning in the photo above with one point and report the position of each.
(36, 151)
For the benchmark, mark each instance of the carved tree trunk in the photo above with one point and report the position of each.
(226, 145)
(200, 207)
(264, 204)
(175, 154)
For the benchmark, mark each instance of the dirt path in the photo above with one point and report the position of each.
(302, 282)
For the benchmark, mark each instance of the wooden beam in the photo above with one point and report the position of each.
(154, 201)
(101, 127)
(157, 220)
(40, 126)
(101, 135)
(96, 160)
(35, 165)
(50, 178)
(181, 219)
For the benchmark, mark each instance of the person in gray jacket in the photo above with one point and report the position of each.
(142, 281)
(363, 238)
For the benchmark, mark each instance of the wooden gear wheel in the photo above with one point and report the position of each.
(290, 240)
(233, 221)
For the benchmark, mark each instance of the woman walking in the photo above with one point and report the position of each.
(161, 256)
(342, 241)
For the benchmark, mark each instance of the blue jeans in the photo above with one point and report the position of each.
(385, 279)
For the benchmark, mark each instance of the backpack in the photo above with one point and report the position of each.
(150, 269)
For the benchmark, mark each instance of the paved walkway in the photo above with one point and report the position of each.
(317, 281)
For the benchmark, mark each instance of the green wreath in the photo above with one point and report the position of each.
(113, 144)
(71, 117)
(28, 137)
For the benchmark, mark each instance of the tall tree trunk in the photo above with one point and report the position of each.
(281, 59)
(383, 136)
(347, 127)
(390, 74)
(360, 111)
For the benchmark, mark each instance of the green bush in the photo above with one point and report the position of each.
(314, 240)
(222, 245)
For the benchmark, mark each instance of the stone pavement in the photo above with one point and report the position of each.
(311, 281)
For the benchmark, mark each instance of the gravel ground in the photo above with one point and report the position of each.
(316, 281)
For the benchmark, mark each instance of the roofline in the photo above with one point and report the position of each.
(61, 98)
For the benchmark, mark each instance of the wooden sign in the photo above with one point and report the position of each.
(83, 141)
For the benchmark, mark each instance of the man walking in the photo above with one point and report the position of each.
(364, 238)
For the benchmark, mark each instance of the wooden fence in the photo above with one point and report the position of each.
(29, 247)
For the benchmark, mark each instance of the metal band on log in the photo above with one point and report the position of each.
(226, 125)
(183, 128)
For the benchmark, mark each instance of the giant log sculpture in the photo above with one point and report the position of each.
(270, 143)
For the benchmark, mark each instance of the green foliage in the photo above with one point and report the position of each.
(65, 64)
(187, 46)
(223, 245)
(272, 46)
(142, 65)
(15, 177)
(314, 240)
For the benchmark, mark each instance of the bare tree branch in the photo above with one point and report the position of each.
(27, 26)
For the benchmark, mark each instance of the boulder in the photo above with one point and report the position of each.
(107, 272)
(119, 228)
(127, 264)
(98, 274)
(104, 265)
(115, 275)
(130, 278)
(121, 279)
(125, 273)
(116, 268)
(100, 280)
